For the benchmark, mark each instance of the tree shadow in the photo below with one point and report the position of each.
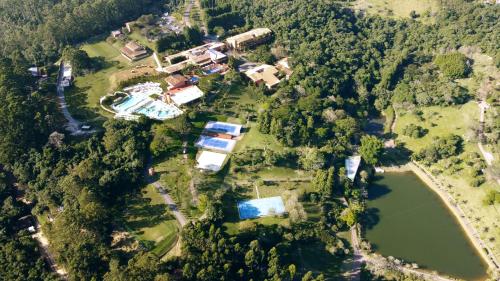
(371, 218)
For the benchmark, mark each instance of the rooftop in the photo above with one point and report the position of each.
(264, 73)
(185, 95)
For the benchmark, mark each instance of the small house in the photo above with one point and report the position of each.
(176, 81)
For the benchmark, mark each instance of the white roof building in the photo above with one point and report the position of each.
(211, 161)
(186, 95)
(352, 165)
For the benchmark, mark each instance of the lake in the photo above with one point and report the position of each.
(407, 220)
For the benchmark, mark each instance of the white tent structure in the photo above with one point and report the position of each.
(211, 161)
(352, 165)
(186, 95)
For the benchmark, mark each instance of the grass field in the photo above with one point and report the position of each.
(148, 219)
(399, 8)
(457, 120)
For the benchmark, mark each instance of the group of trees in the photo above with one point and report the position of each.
(173, 42)
(440, 148)
(20, 258)
(40, 29)
(260, 254)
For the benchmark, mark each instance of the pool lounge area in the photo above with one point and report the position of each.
(139, 101)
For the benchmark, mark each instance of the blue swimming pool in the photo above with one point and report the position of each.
(261, 207)
(127, 103)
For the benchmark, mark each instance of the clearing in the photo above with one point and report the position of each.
(147, 218)
(426, 9)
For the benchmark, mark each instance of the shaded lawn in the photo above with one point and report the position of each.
(147, 217)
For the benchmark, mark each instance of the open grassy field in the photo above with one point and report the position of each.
(442, 121)
(148, 219)
(399, 8)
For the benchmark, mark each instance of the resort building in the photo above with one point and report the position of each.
(116, 33)
(133, 51)
(184, 95)
(201, 56)
(264, 74)
(176, 81)
(249, 39)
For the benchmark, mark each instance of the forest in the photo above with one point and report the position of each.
(347, 68)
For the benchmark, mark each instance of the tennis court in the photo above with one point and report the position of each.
(223, 127)
(216, 143)
(261, 207)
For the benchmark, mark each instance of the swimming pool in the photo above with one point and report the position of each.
(139, 101)
(261, 207)
(159, 110)
(127, 103)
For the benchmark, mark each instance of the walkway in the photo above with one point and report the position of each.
(73, 125)
(488, 156)
(187, 13)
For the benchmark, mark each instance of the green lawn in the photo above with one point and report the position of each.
(398, 8)
(147, 218)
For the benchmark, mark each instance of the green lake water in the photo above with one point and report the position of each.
(407, 220)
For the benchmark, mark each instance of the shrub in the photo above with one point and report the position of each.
(477, 181)
(492, 197)
(453, 65)
(414, 131)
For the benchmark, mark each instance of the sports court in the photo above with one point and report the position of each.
(214, 143)
(224, 128)
(261, 207)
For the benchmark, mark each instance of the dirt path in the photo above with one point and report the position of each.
(187, 13)
(43, 243)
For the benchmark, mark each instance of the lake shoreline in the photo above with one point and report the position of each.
(450, 204)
